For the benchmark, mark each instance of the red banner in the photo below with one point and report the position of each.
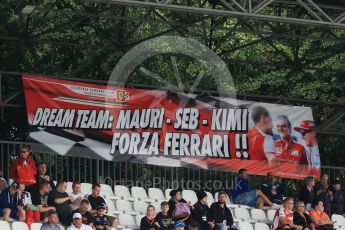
(170, 128)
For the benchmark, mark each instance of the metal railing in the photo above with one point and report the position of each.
(88, 170)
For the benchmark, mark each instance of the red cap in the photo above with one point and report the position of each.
(306, 125)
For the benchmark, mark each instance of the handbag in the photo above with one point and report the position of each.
(182, 209)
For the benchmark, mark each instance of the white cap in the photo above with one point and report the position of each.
(77, 215)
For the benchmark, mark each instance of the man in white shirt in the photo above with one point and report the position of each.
(76, 196)
(77, 223)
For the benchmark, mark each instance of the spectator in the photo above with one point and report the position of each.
(76, 196)
(193, 226)
(179, 225)
(32, 214)
(306, 194)
(77, 223)
(96, 200)
(178, 207)
(87, 218)
(3, 184)
(43, 176)
(52, 224)
(61, 201)
(100, 220)
(301, 218)
(273, 189)
(337, 204)
(320, 218)
(23, 169)
(243, 194)
(200, 210)
(10, 203)
(283, 218)
(324, 193)
(148, 222)
(219, 216)
(40, 199)
(163, 218)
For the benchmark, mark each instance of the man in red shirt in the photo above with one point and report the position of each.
(260, 140)
(287, 150)
(23, 169)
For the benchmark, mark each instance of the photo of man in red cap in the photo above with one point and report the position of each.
(308, 131)
(286, 148)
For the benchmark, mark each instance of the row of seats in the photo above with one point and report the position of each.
(16, 225)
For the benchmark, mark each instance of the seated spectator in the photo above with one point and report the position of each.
(76, 196)
(148, 222)
(83, 210)
(100, 220)
(273, 189)
(61, 201)
(3, 184)
(193, 226)
(32, 214)
(53, 222)
(301, 218)
(200, 210)
(306, 194)
(219, 216)
(324, 193)
(43, 176)
(40, 199)
(96, 200)
(243, 194)
(10, 206)
(77, 223)
(23, 169)
(178, 207)
(163, 218)
(283, 218)
(320, 218)
(337, 204)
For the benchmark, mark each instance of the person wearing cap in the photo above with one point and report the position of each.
(53, 222)
(23, 169)
(100, 220)
(286, 148)
(308, 131)
(337, 204)
(10, 206)
(163, 218)
(3, 184)
(149, 222)
(260, 138)
(179, 225)
(77, 223)
(219, 216)
(59, 199)
(200, 210)
(177, 200)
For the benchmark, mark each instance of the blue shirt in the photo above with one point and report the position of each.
(239, 187)
(9, 201)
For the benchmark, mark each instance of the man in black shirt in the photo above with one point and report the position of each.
(94, 199)
(40, 199)
(219, 216)
(61, 201)
(323, 192)
(337, 204)
(42, 176)
(87, 218)
(163, 218)
(200, 210)
(273, 189)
